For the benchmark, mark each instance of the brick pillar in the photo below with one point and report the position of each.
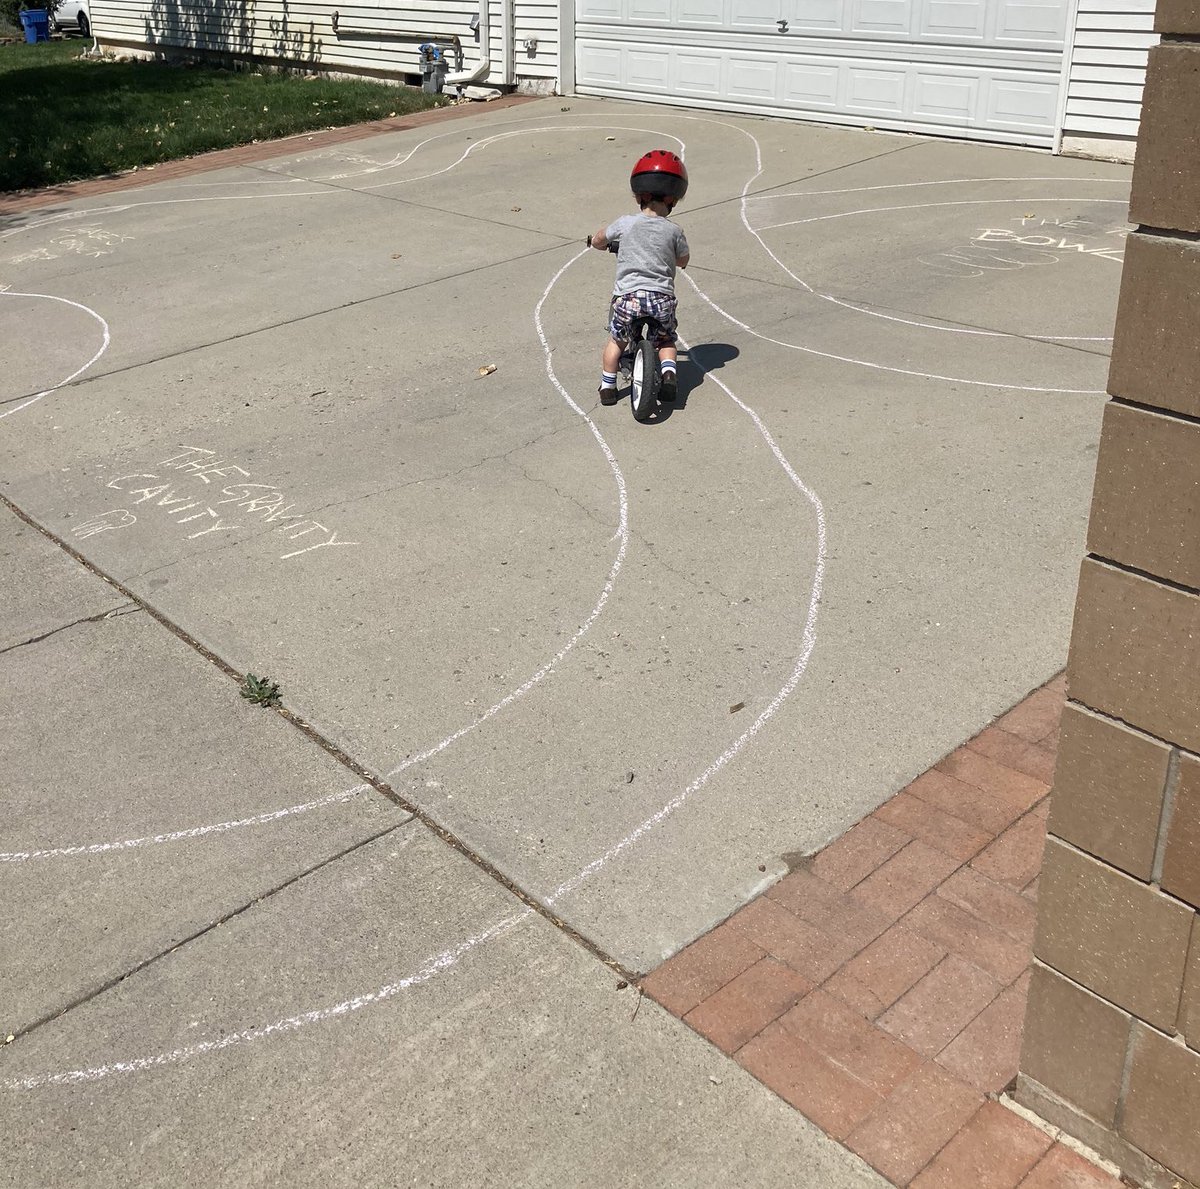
(1112, 1036)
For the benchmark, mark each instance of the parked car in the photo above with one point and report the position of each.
(72, 15)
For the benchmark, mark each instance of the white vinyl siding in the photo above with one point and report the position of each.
(302, 31)
(538, 19)
(1107, 68)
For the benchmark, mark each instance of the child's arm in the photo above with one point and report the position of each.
(599, 239)
(682, 261)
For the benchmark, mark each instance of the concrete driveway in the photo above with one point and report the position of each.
(607, 680)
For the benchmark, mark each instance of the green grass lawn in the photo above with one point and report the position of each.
(63, 117)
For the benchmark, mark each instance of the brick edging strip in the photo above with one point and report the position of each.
(247, 154)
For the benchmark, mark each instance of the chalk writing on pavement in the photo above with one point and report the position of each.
(79, 241)
(104, 523)
(211, 494)
(1035, 241)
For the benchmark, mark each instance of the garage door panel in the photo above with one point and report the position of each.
(953, 19)
(1041, 22)
(647, 70)
(986, 69)
(995, 105)
(1013, 103)
(756, 15)
(881, 16)
(701, 12)
(949, 99)
(755, 80)
(599, 65)
(962, 55)
(811, 85)
(823, 15)
(698, 74)
(875, 92)
(658, 11)
(598, 10)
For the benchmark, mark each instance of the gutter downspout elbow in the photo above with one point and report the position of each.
(484, 66)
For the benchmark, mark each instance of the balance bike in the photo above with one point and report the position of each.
(639, 364)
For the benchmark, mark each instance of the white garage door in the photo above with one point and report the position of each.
(986, 69)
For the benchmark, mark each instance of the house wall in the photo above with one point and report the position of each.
(1103, 74)
(301, 31)
(1104, 77)
(1112, 1037)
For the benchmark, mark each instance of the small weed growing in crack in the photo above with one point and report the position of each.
(262, 691)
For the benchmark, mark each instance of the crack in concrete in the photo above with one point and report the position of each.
(563, 241)
(114, 613)
(692, 579)
(590, 513)
(195, 348)
(414, 811)
(115, 980)
(809, 177)
(367, 192)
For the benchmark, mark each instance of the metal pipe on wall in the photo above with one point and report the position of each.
(484, 66)
(508, 41)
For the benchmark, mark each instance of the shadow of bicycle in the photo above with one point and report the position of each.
(694, 364)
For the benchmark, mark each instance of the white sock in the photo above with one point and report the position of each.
(608, 379)
(668, 367)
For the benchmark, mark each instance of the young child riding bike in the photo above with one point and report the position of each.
(649, 249)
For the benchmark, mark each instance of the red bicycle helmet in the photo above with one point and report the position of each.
(661, 174)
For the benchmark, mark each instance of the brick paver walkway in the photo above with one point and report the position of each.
(880, 989)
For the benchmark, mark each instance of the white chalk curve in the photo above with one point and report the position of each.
(105, 340)
(809, 288)
(864, 308)
(448, 958)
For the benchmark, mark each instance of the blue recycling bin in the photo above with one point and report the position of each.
(36, 23)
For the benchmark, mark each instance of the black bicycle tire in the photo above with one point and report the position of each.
(642, 396)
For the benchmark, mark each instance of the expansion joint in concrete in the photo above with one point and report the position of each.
(360, 770)
(93, 376)
(107, 985)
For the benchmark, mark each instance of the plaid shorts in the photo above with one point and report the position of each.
(653, 302)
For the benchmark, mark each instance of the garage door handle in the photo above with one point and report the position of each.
(783, 26)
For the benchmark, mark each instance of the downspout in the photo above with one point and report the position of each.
(484, 67)
(508, 41)
(566, 47)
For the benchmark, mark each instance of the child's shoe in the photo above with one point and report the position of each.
(667, 387)
(608, 396)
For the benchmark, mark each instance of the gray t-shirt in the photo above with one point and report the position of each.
(649, 245)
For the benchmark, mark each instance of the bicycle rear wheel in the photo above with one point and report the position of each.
(644, 380)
